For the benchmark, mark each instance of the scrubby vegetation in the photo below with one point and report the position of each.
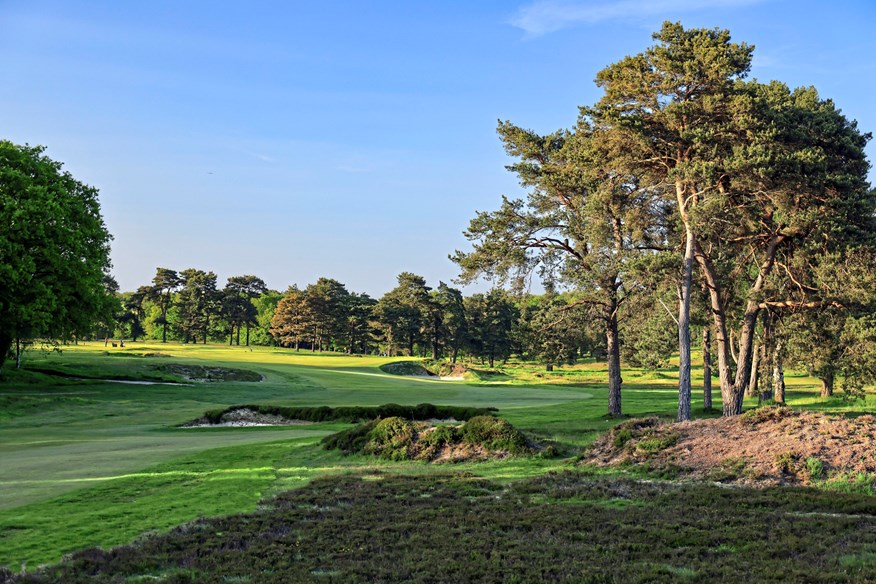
(767, 445)
(401, 439)
(567, 527)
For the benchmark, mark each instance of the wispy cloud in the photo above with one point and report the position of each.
(545, 16)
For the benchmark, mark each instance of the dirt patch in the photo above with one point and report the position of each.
(244, 417)
(767, 446)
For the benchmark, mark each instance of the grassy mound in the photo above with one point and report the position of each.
(209, 374)
(766, 446)
(145, 371)
(354, 414)
(400, 439)
(414, 368)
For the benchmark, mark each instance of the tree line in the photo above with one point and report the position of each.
(411, 319)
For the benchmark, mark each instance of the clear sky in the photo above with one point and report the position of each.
(354, 140)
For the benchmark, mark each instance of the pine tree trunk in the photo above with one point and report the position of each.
(231, 336)
(164, 318)
(238, 335)
(707, 368)
(247, 333)
(18, 353)
(5, 345)
(684, 389)
(733, 387)
(778, 375)
(751, 388)
(614, 371)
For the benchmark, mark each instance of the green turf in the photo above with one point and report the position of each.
(88, 462)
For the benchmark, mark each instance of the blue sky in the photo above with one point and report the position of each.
(354, 140)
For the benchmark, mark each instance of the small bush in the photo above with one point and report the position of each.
(397, 438)
(621, 437)
(494, 434)
(654, 444)
(392, 439)
(814, 468)
(786, 462)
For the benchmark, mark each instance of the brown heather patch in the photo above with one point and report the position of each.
(767, 446)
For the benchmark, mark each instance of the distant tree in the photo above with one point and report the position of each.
(401, 313)
(358, 327)
(833, 344)
(453, 320)
(327, 300)
(650, 330)
(164, 284)
(550, 331)
(133, 312)
(491, 317)
(293, 320)
(265, 306)
(105, 324)
(198, 303)
(240, 292)
(54, 250)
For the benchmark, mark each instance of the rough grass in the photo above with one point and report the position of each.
(567, 527)
(87, 463)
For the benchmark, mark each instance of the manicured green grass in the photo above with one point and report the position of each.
(97, 463)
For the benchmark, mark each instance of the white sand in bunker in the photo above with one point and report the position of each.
(245, 417)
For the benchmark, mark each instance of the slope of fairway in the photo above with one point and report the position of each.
(82, 432)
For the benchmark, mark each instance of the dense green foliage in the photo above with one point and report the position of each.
(54, 251)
